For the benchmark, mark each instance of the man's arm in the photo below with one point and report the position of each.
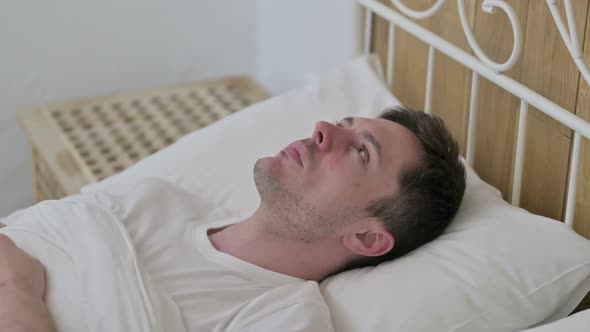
(22, 288)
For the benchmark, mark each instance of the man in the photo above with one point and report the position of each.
(354, 194)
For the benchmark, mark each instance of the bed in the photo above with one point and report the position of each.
(453, 49)
(498, 267)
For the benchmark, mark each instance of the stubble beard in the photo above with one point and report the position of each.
(290, 215)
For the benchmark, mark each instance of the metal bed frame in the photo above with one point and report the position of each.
(482, 65)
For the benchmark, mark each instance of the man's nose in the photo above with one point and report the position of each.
(325, 135)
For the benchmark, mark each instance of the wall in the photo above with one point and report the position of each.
(297, 40)
(63, 49)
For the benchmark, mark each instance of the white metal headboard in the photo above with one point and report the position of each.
(482, 65)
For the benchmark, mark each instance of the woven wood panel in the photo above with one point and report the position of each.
(46, 185)
(84, 141)
(110, 137)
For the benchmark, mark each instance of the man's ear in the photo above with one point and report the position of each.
(369, 239)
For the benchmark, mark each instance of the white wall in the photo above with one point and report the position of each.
(62, 49)
(298, 39)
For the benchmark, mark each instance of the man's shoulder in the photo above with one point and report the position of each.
(296, 306)
(308, 291)
(303, 293)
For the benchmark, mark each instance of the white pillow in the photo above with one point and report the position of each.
(497, 268)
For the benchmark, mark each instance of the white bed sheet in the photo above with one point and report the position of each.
(578, 322)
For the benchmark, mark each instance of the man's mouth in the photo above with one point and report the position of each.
(294, 150)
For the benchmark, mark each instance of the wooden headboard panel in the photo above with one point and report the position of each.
(545, 66)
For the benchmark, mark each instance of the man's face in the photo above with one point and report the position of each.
(316, 185)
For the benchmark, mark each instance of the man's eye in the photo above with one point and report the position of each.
(338, 124)
(364, 153)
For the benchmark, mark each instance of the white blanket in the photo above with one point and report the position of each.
(94, 280)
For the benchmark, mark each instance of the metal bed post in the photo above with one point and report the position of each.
(573, 180)
(520, 147)
(390, 53)
(429, 80)
(472, 126)
(368, 31)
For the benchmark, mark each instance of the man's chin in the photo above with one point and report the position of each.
(271, 165)
(270, 176)
(265, 165)
(265, 172)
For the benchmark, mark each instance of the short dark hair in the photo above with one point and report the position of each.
(429, 194)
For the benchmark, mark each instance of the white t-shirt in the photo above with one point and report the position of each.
(214, 291)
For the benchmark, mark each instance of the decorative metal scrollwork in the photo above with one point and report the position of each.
(488, 6)
(569, 35)
(567, 30)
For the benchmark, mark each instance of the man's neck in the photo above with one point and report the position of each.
(251, 241)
